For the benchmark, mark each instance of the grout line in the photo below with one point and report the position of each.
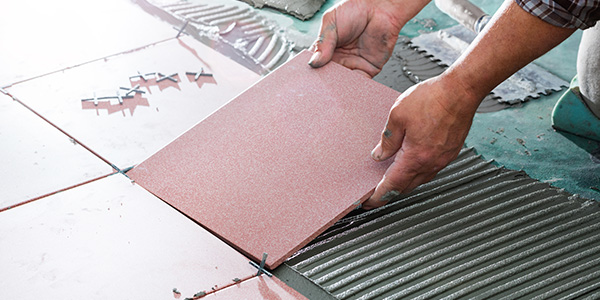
(91, 61)
(215, 234)
(233, 246)
(206, 293)
(55, 192)
(67, 134)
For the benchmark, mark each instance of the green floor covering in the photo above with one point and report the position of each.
(521, 137)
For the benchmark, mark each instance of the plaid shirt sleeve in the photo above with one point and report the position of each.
(580, 14)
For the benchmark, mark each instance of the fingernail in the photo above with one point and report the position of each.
(314, 58)
(389, 196)
(377, 152)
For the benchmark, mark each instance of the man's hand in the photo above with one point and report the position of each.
(426, 129)
(428, 124)
(361, 34)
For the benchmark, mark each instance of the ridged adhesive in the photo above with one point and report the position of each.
(476, 231)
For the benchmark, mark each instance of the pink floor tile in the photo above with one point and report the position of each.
(110, 239)
(259, 288)
(43, 36)
(37, 159)
(165, 104)
(281, 162)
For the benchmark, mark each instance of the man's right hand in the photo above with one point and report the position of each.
(426, 129)
(361, 34)
(429, 122)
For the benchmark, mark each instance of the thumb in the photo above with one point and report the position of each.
(391, 141)
(325, 45)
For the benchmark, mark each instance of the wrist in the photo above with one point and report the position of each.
(402, 10)
(465, 97)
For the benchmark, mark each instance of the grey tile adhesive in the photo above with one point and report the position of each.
(530, 82)
(410, 65)
(476, 231)
(237, 31)
(301, 9)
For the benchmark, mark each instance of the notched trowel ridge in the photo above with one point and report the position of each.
(303, 9)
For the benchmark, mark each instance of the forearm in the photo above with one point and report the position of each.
(404, 10)
(511, 40)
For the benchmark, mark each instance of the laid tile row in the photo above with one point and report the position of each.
(110, 239)
(112, 110)
(37, 158)
(39, 37)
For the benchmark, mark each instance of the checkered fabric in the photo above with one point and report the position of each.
(580, 14)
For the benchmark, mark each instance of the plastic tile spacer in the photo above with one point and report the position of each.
(261, 267)
(162, 77)
(182, 28)
(198, 74)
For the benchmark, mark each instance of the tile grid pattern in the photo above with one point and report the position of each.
(35, 139)
(226, 289)
(6, 91)
(67, 134)
(108, 56)
(110, 239)
(476, 231)
(51, 193)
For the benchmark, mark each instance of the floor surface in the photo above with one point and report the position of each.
(72, 114)
(110, 239)
(93, 90)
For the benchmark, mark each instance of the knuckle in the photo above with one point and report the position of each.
(397, 181)
(395, 116)
(387, 133)
(423, 159)
(387, 142)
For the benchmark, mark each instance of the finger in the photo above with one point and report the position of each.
(404, 175)
(326, 43)
(362, 73)
(356, 63)
(394, 182)
(392, 137)
(386, 192)
(417, 181)
(381, 196)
